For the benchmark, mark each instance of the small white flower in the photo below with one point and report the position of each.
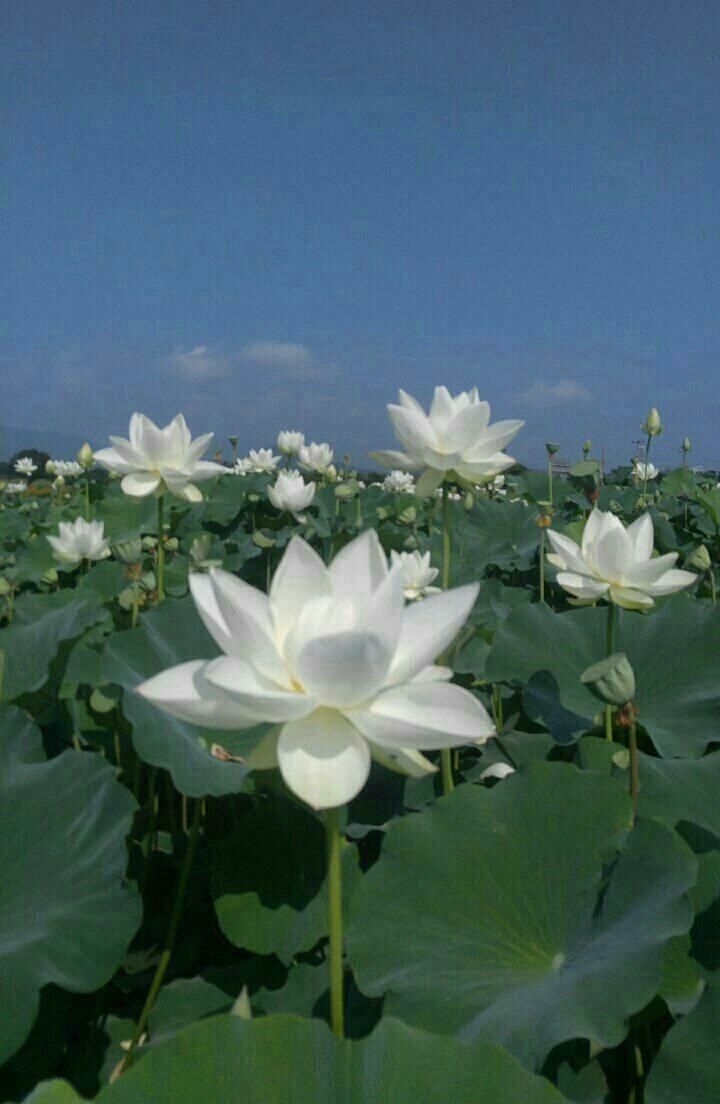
(263, 461)
(80, 540)
(25, 466)
(291, 492)
(154, 460)
(616, 563)
(399, 482)
(16, 488)
(290, 442)
(645, 471)
(316, 458)
(417, 575)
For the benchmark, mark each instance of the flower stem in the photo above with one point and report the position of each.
(169, 940)
(445, 758)
(632, 745)
(335, 924)
(160, 563)
(609, 644)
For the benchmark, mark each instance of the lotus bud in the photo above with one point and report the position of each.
(85, 456)
(552, 447)
(586, 446)
(611, 680)
(699, 558)
(686, 444)
(652, 424)
(50, 467)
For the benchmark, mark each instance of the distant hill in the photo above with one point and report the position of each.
(61, 446)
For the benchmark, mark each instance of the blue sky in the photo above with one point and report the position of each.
(272, 215)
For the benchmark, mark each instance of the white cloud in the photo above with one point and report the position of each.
(199, 363)
(561, 391)
(285, 355)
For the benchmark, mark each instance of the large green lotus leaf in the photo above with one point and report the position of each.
(169, 634)
(285, 1060)
(500, 533)
(29, 647)
(66, 914)
(503, 936)
(675, 653)
(688, 1065)
(268, 880)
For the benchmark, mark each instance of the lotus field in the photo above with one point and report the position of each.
(335, 788)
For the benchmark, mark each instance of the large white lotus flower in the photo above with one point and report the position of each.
(290, 442)
(399, 482)
(646, 471)
(616, 563)
(316, 458)
(291, 492)
(263, 461)
(417, 575)
(456, 436)
(25, 466)
(336, 661)
(80, 540)
(154, 460)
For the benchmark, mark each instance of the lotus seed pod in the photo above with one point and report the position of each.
(652, 424)
(552, 447)
(85, 456)
(686, 444)
(611, 680)
(50, 467)
(699, 558)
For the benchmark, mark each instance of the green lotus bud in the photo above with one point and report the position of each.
(699, 558)
(686, 444)
(586, 446)
(552, 447)
(85, 456)
(611, 680)
(652, 424)
(49, 467)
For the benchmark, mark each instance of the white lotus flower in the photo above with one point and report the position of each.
(316, 458)
(399, 482)
(336, 661)
(290, 442)
(646, 471)
(25, 466)
(154, 460)
(417, 575)
(80, 540)
(456, 436)
(291, 492)
(263, 461)
(616, 563)
(16, 487)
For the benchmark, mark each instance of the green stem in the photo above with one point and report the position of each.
(335, 924)
(609, 644)
(448, 784)
(542, 565)
(632, 744)
(160, 563)
(169, 940)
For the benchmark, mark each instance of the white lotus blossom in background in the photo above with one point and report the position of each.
(417, 574)
(316, 457)
(16, 487)
(399, 482)
(80, 540)
(616, 563)
(290, 442)
(68, 469)
(291, 492)
(336, 661)
(25, 466)
(154, 460)
(262, 461)
(455, 436)
(645, 471)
